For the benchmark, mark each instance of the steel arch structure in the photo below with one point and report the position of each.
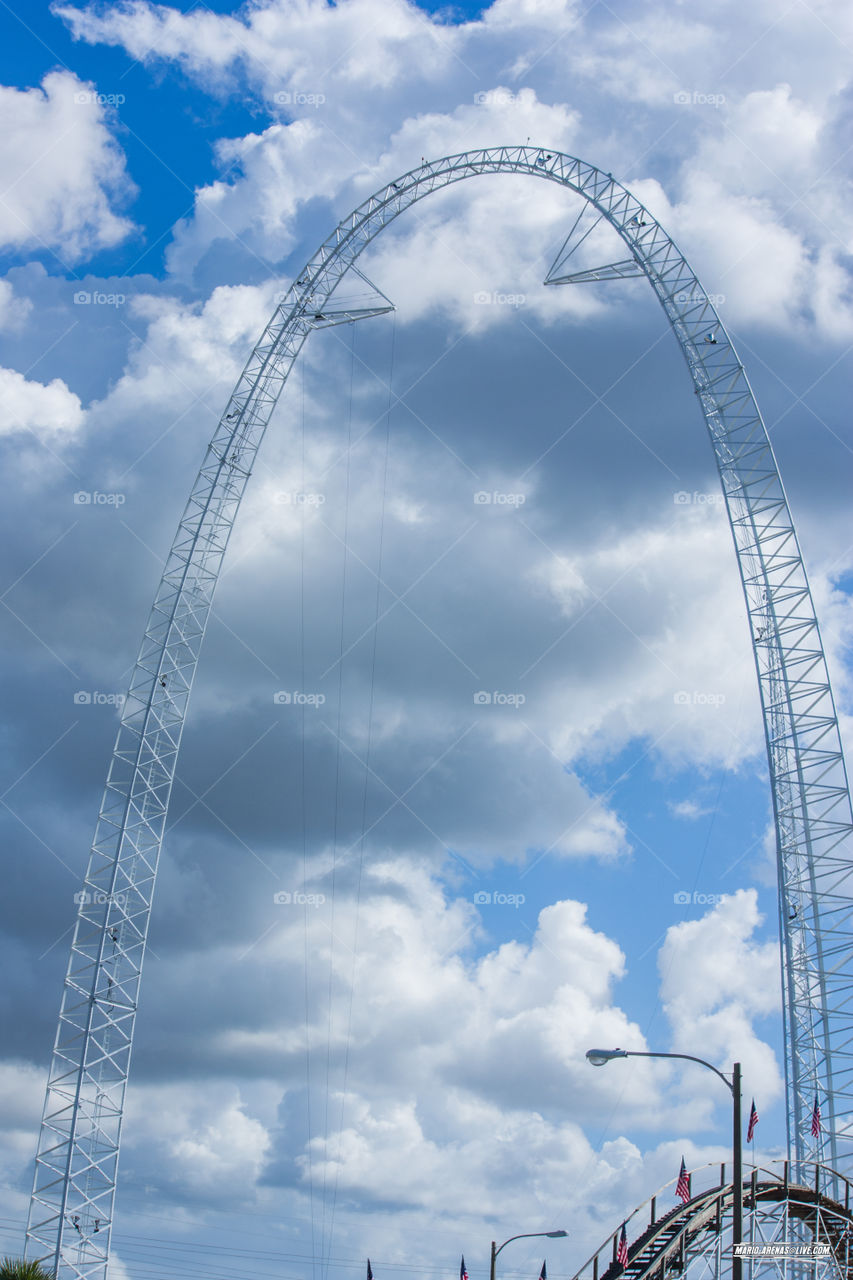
(73, 1192)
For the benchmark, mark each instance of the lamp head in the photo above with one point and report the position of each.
(555, 1235)
(598, 1057)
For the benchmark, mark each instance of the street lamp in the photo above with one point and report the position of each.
(525, 1235)
(598, 1057)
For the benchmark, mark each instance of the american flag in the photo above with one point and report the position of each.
(622, 1248)
(753, 1121)
(369, 1270)
(682, 1187)
(463, 1274)
(816, 1118)
(543, 1274)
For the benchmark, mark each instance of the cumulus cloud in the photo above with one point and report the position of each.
(21, 1099)
(48, 411)
(14, 310)
(364, 44)
(443, 1082)
(702, 966)
(688, 680)
(758, 210)
(209, 1143)
(66, 172)
(402, 1041)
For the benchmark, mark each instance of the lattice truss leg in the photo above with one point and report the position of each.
(72, 1202)
(775, 1227)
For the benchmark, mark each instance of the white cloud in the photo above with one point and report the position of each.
(467, 1083)
(14, 310)
(761, 212)
(688, 809)
(362, 45)
(66, 171)
(453, 1085)
(716, 980)
(190, 356)
(676, 667)
(205, 1143)
(21, 1100)
(49, 411)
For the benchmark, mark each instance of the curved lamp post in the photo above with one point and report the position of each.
(525, 1235)
(598, 1057)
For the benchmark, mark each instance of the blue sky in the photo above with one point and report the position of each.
(399, 1071)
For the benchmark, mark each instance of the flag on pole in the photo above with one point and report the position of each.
(682, 1187)
(816, 1118)
(369, 1270)
(543, 1275)
(622, 1248)
(753, 1121)
(463, 1274)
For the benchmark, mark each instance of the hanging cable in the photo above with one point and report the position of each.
(366, 776)
(337, 796)
(305, 967)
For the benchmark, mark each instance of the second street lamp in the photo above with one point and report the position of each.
(598, 1057)
(525, 1235)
